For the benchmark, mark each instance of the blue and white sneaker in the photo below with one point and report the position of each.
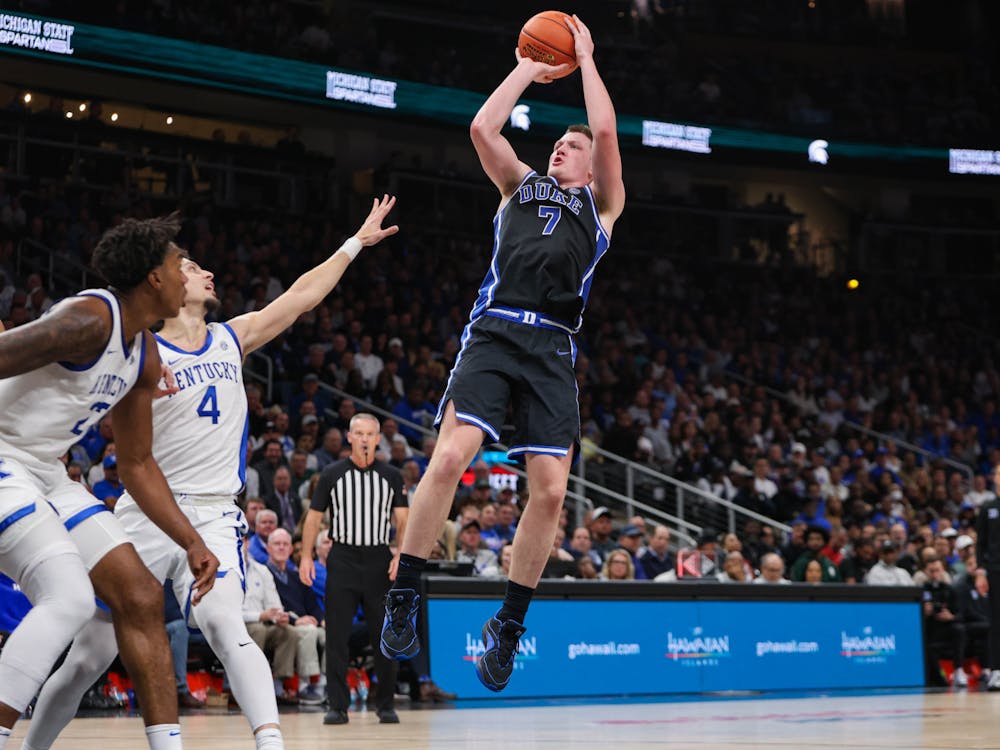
(399, 628)
(502, 641)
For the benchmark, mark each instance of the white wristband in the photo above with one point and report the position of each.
(351, 248)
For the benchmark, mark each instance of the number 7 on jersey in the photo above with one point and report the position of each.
(553, 214)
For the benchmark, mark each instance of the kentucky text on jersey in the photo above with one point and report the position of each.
(108, 384)
(544, 191)
(206, 371)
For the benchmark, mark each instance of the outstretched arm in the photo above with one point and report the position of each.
(76, 331)
(133, 418)
(607, 161)
(495, 152)
(255, 329)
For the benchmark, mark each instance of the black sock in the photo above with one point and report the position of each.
(515, 602)
(408, 572)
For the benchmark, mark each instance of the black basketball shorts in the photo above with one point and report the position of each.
(504, 362)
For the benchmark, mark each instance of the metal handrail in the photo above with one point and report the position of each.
(53, 270)
(931, 457)
(966, 470)
(685, 487)
(268, 379)
(180, 160)
(683, 529)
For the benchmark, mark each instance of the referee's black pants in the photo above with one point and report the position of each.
(356, 575)
(993, 639)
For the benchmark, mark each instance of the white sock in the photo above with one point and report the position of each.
(269, 739)
(164, 737)
(5, 733)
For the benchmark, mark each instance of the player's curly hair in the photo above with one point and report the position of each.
(128, 252)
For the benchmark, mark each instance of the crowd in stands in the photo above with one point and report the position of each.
(712, 373)
(865, 421)
(794, 66)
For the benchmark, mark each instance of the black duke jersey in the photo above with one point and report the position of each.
(547, 241)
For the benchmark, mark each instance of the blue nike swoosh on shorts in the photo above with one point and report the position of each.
(562, 353)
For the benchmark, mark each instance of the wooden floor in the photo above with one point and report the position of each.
(862, 722)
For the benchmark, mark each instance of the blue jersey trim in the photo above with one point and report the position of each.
(479, 422)
(77, 518)
(202, 350)
(548, 450)
(239, 556)
(603, 243)
(236, 339)
(242, 471)
(121, 325)
(597, 216)
(142, 357)
(466, 335)
(16, 516)
(487, 289)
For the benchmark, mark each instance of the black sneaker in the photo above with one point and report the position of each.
(388, 716)
(502, 640)
(335, 717)
(399, 629)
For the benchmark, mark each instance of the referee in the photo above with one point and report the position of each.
(363, 496)
(987, 579)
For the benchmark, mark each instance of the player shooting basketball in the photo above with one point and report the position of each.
(549, 233)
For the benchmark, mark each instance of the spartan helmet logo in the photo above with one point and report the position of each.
(818, 153)
(519, 117)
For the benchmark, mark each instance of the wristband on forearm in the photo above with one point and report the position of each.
(351, 248)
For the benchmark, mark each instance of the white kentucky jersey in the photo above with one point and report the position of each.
(200, 432)
(45, 411)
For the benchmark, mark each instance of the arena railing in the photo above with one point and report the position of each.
(61, 274)
(684, 507)
(928, 456)
(684, 530)
(691, 505)
(162, 166)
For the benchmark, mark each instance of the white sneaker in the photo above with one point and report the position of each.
(994, 682)
(960, 679)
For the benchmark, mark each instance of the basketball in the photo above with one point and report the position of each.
(547, 38)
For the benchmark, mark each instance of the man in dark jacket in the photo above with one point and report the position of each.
(988, 573)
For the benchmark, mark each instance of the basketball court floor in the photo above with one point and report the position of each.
(847, 721)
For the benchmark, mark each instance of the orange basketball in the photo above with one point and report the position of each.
(547, 38)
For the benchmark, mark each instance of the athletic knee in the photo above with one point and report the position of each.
(450, 460)
(549, 494)
(224, 635)
(137, 600)
(64, 591)
(85, 665)
(78, 609)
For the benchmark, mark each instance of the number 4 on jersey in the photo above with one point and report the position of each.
(209, 406)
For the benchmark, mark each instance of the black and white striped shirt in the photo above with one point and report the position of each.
(360, 501)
